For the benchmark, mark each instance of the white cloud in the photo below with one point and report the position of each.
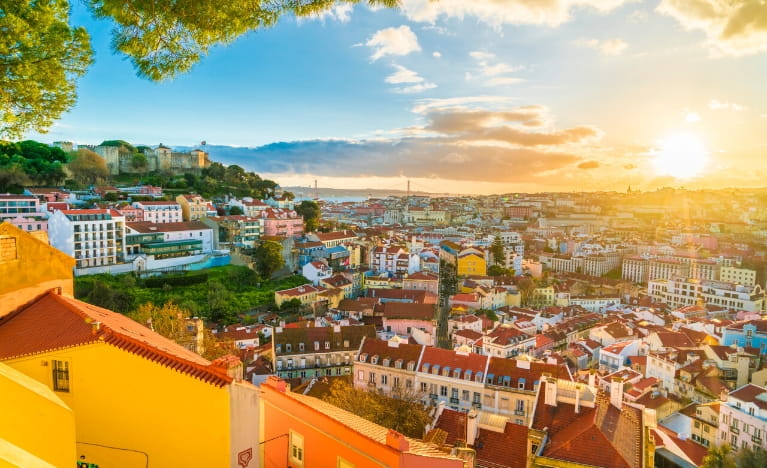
(393, 41)
(605, 47)
(715, 104)
(638, 16)
(493, 72)
(732, 27)
(499, 12)
(436, 55)
(404, 75)
(423, 106)
(416, 88)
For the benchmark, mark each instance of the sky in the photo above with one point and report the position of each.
(481, 96)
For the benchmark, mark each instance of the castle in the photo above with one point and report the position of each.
(120, 159)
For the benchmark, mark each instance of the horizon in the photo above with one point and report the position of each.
(605, 95)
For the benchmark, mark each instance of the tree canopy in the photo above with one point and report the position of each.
(88, 167)
(310, 211)
(42, 55)
(268, 256)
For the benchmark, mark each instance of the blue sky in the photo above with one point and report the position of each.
(433, 92)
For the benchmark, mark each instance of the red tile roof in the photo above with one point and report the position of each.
(522, 372)
(406, 310)
(381, 348)
(147, 227)
(502, 449)
(53, 322)
(448, 358)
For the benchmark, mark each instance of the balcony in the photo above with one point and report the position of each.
(454, 401)
(734, 430)
(519, 412)
(756, 439)
(476, 404)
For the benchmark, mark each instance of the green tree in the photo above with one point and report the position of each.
(13, 179)
(719, 457)
(235, 210)
(268, 257)
(751, 458)
(497, 249)
(310, 211)
(41, 56)
(139, 163)
(403, 411)
(88, 167)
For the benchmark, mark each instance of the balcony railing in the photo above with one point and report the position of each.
(734, 430)
(454, 401)
(756, 439)
(476, 404)
(519, 412)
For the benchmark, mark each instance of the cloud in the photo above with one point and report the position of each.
(436, 55)
(458, 140)
(491, 71)
(605, 47)
(588, 165)
(393, 41)
(416, 82)
(715, 104)
(732, 27)
(638, 16)
(497, 13)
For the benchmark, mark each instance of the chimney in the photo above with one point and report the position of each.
(593, 378)
(472, 427)
(577, 399)
(397, 441)
(95, 327)
(551, 390)
(616, 392)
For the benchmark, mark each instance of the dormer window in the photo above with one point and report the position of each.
(288, 347)
(457, 373)
(327, 345)
(346, 343)
(363, 357)
(467, 374)
(300, 346)
(425, 368)
(398, 363)
(386, 362)
(316, 345)
(446, 372)
(278, 348)
(478, 377)
(374, 360)
(411, 365)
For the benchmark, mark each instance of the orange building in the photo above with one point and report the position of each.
(300, 431)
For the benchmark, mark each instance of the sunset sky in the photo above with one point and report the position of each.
(480, 96)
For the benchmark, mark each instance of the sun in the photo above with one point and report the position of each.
(681, 155)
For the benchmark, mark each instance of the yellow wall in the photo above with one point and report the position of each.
(122, 400)
(471, 265)
(37, 268)
(33, 420)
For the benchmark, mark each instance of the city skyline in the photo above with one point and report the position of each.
(463, 98)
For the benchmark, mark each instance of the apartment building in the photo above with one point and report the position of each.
(235, 230)
(306, 352)
(193, 207)
(743, 419)
(455, 377)
(681, 291)
(747, 334)
(736, 275)
(160, 211)
(23, 211)
(93, 237)
(168, 240)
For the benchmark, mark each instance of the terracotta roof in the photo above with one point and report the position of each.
(357, 305)
(671, 339)
(523, 374)
(159, 203)
(309, 335)
(412, 295)
(422, 276)
(601, 436)
(407, 310)
(337, 235)
(638, 360)
(507, 449)
(454, 424)
(749, 393)
(300, 290)
(447, 358)
(54, 322)
(406, 352)
(505, 335)
(761, 325)
(468, 334)
(668, 439)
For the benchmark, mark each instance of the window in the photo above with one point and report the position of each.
(316, 345)
(384, 379)
(424, 387)
(300, 346)
(327, 345)
(296, 449)
(443, 390)
(372, 378)
(61, 376)
(465, 395)
(395, 382)
(288, 347)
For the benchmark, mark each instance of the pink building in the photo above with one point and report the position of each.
(282, 222)
(29, 224)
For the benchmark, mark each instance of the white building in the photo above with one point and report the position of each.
(160, 211)
(316, 271)
(92, 237)
(735, 275)
(680, 292)
(743, 419)
(167, 240)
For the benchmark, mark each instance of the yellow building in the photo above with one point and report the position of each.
(471, 261)
(138, 398)
(36, 428)
(193, 207)
(306, 294)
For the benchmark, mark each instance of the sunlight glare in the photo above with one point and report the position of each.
(681, 155)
